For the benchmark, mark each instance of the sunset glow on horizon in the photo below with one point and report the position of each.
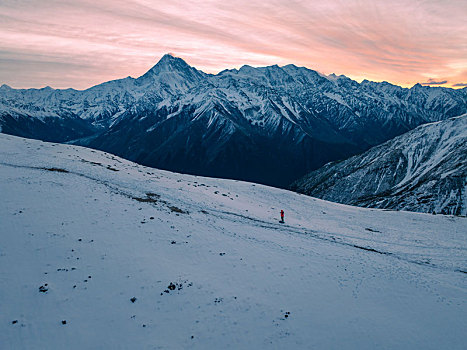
(78, 44)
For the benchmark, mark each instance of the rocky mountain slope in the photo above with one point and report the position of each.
(97, 252)
(423, 170)
(270, 124)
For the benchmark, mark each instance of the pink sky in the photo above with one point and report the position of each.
(80, 43)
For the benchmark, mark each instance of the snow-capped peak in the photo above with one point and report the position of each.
(168, 62)
(171, 71)
(5, 87)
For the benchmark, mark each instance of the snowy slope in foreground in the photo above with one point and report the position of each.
(95, 231)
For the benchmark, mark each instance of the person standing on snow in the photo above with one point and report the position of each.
(282, 216)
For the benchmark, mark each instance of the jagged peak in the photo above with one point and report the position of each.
(294, 70)
(274, 66)
(228, 71)
(250, 70)
(291, 66)
(246, 68)
(171, 64)
(170, 57)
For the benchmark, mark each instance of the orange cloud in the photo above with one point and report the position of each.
(81, 43)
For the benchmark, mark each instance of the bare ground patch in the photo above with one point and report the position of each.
(58, 170)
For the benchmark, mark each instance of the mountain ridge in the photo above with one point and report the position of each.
(423, 170)
(294, 117)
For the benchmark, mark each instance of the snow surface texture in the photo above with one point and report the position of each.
(424, 170)
(98, 252)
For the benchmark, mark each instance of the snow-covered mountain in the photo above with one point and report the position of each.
(423, 170)
(269, 124)
(97, 252)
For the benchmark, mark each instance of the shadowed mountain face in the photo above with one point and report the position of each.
(269, 125)
(218, 145)
(423, 170)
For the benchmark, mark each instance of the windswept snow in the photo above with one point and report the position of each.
(137, 258)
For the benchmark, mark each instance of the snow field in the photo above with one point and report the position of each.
(100, 230)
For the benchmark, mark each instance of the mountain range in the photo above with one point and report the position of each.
(422, 170)
(270, 125)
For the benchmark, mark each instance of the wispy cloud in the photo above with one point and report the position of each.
(82, 42)
(460, 84)
(434, 82)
